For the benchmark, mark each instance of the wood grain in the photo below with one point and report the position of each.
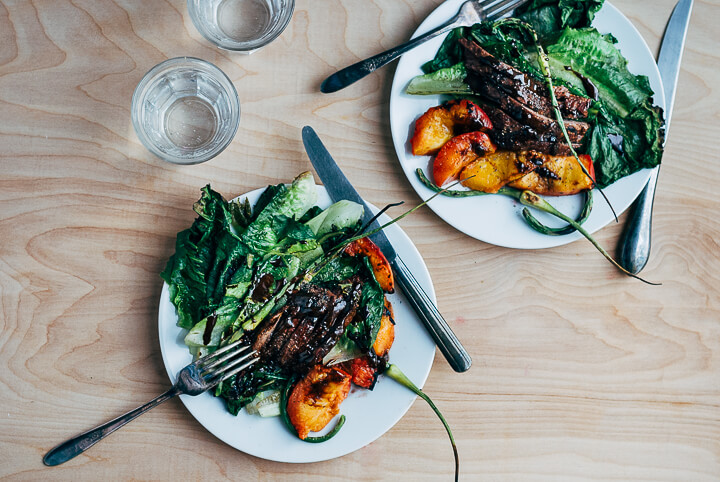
(579, 373)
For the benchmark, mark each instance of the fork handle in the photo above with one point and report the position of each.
(350, 75)
(634, 246)
(79, 444)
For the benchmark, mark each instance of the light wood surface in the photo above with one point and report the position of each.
(579, 373)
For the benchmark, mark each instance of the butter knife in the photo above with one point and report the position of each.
(338, 187)
(634, 246)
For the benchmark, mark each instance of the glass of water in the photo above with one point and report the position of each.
(185, 110)
(241, 25)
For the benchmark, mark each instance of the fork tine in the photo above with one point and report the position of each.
(237, 370)
(219, 367)
(217, 353)
(212, 363)
(485, 4)
(504, 7)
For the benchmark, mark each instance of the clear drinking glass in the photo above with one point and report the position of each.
(241, 25)
(185, 110)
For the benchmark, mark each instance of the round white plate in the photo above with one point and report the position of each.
(496, 219)
(369, 413)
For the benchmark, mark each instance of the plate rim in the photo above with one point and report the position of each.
(420, 378)
(639, 178)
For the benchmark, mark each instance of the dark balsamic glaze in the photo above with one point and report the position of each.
(209, 325)
(616, 141)
(262, 289)
(547, 173)
(590, 88)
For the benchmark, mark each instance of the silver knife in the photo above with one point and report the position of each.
(338, 187)
(634, 246)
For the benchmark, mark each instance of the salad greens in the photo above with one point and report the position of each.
(232, 248)
(626, 127)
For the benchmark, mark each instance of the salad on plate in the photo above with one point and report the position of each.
(539, 104)
(304, 287)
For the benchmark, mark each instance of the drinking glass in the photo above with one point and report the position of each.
(241, 25)
(185, 110)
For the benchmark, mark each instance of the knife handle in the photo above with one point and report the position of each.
(439, 330)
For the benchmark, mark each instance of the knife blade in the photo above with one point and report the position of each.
(634, 246)
(338, 187)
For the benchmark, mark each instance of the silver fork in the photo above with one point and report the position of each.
(471, 12)
(196, 378)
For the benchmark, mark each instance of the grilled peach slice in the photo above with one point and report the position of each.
(558, 176)
(458, 153)
(386, 333)
(491, 172)
(440, 124)
(381, 267)
(364, 370)
(316, 399)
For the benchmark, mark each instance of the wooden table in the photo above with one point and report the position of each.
(579, 372)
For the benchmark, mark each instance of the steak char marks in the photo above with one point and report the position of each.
(303, 331)
(519, 107)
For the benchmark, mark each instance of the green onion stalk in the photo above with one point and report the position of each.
(515, 194)
(396, 374)
(531, 199)
(528, 198)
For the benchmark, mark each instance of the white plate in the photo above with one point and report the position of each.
(369, 413)
(496, 219)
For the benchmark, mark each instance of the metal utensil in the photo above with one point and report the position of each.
(470, 13)
(634, 246)
(338, 187)
(196, 378)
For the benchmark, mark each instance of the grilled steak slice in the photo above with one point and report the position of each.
(544, 126)
(265, 333)
(301, 333)
(511, 135)
(571, 105)
(483, 67)
(344, 317)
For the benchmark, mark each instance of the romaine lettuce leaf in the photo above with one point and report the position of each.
(204, 255)
(450, 80)
(547, 16)
(261, 235)
(341, 215)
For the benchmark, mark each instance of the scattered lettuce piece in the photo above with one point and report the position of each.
(343, 214)
(261, 236)
(450, 80)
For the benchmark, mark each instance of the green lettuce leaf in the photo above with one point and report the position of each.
(204, 258)
(547, 16)
(450, 80)
(293, 202)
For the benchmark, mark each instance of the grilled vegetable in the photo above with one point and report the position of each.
(316, 399)
(558, 176)
(364, 373)
(386, 333)
(440, 124)
(458, 153)
(491, 172)
(380, 265)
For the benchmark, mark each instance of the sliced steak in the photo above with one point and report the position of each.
(571, 105)
(483, 67)
(511, 135)
(301, 333)
(541, 124)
